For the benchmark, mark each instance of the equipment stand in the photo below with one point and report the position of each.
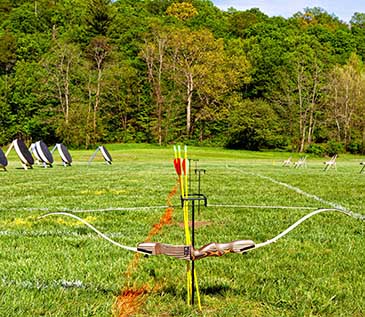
(193, 198)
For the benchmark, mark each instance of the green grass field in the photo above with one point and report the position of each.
(58, 267)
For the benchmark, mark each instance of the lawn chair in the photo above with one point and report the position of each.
(287, 162)
(302, 162)
(363, 167)
(331, 163)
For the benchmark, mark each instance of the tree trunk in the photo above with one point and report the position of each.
(97, 100)
(190, 88)
(302, 119)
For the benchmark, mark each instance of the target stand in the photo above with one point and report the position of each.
(107, 157)
(64, 153)
(42, 153)
(23, 153)
(33, 151)
(3, 160)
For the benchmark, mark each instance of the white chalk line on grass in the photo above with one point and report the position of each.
(150, 207)
(83, 210)
(262, 206)
(29, 284)
(47, 233)
(53, 284)
(299, 191)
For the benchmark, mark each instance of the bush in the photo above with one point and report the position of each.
(334, 148)
(316, 149)
(354, 147)
(254, 125)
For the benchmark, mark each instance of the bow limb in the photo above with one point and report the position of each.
(94, 229)
(296, 224)
(187, 252)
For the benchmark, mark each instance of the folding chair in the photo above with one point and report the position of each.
(330, 163)
(287, 162)
(363, 167)
(302, 162)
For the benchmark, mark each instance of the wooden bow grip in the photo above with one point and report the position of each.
(219, 249)
(186, 252)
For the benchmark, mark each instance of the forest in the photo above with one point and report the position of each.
(85, 72)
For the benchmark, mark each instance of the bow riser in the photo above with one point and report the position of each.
(186, 252)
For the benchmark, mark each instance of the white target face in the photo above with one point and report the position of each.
(106, 155)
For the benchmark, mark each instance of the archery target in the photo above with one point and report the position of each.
(3, 159)
(64, 153)
(106, 154)
(43, 152)
(33, 150)
(23, 153)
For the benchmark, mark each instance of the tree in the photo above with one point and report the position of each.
(358, 20)
(60, 65)
(298, 87)
(196, 62)
(98, 51)
(153, 53)
(239, 21)
(346, 94)
(7, 52)
(99, 17)
(230, 73)
(182, 11)
(358, 32)
(254, 125)
(123, 90)
(62, 86)
(32, 117)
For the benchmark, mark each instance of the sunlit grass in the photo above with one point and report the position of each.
(58, 267)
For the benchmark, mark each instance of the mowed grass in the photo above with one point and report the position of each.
(58, 267)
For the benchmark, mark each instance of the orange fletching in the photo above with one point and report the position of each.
(177, 166)
(184, 166)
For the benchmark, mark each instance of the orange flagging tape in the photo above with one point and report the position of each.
(130, 299)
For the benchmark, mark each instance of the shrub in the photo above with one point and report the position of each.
(316, 149)
(254, 125)
(334, 148)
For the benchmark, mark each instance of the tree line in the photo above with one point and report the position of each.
(85, 72)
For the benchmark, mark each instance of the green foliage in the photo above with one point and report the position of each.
(7, 52)
(182, 11)
(316, 149)
(254, 126)
(334, 147)
(7, 130)
(209, 55)
(355, 147)
(98, 17)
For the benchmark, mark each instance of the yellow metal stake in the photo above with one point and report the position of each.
(183, 167)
